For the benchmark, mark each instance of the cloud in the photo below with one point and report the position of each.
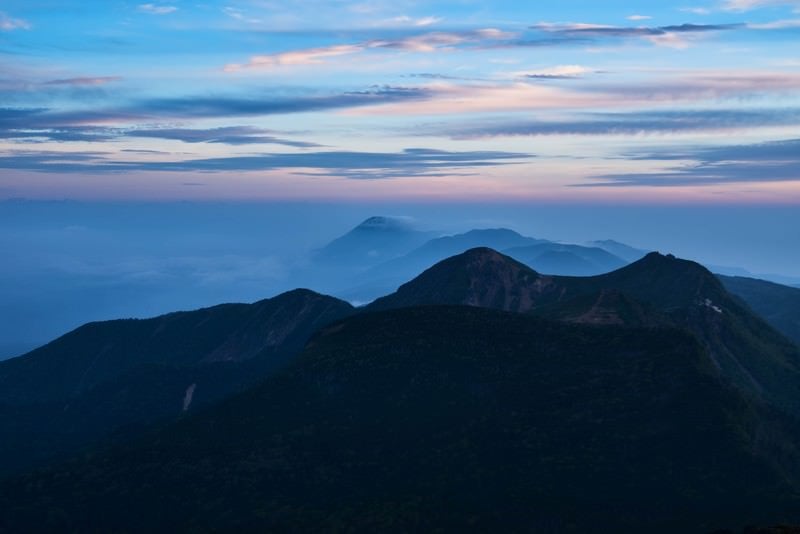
(240, 15)
(635, 123)
(356, 165)
(8, 23)
(561, 72)
(703, 86)
(696, 10)
(106, 124)
(628, 31)
(748, 5)
(311, 56)
(639, 17)
(230, 135)
(154, 9)
(85, 81)
(674, 36)
(422, 43)
(776, 25)
(449, 98)
(775, 161)
(418, 22)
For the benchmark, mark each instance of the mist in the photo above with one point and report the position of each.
(67, 263)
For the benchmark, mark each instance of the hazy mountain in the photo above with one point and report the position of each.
(540, 254)
(568, 260)
(448, 419)
(778, 304)
(749, 352)
(744, 273)
(621, 250)
(107, 376)
(375, 240)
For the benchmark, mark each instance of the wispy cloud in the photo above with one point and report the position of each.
(8, 23)
(638, 17)
(776, 161)
(41, 124)
(422, 43)
(450, 98)
(82, 81)
(420, 22)
(561, 72)
(748, 5)
(674, 36)
(229, 135)
(240, 15)
(410, 162)
(696, 10)
(656, 122)
(154, 9)
(776, 25)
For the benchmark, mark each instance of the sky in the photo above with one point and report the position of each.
(460, 100)
(163, 155)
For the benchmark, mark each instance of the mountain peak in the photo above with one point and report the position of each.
(478, 277)
(670, 281)
(382, 223)
(374, 240)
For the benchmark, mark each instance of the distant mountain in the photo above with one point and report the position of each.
(749, 352)
(567, 260)
(539, 254)
(375, 240)
(621, 250)
(778, 304)
(105, 377)
(448, 419)
(744, 273)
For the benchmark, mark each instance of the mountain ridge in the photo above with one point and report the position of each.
(449, 418)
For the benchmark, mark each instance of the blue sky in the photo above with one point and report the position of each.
(620, 101)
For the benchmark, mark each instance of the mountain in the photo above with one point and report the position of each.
(387, 276)
(375, 240)
(750, 353)
(568, 260)
(447, 419)
(778, 304)
(621, 250)
(105, 377)
(479, 277)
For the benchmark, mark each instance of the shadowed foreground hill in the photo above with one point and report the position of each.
(454, 418)
(104, 377)
(653, 291)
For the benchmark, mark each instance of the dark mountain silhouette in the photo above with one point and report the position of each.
(479, 277)
(107, 376)
(750, 353)
(448, 419)
(778, 304)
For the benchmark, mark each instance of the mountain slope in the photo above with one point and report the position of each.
(453, 419)
(106, 377)
(778, 304)
(479, 277)
(749, 352)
